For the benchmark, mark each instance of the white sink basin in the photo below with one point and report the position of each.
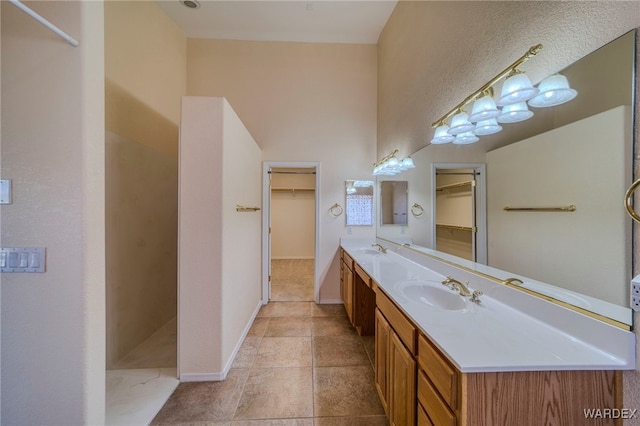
(373, 252)
(427, 294)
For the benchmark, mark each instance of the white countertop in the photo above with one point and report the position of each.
(496, 335)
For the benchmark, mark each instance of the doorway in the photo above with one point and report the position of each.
(290, 236)
(459, 210)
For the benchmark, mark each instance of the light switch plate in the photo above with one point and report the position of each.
(635, 294)
(5, 191)
(22, 259)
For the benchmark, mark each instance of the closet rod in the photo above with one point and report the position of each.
(290, 173)
(458, 173)
(72, 41)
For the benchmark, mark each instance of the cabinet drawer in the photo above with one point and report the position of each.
(402, 326)
(347, 260)
(437, 410)
(362, 274)
(443, 376)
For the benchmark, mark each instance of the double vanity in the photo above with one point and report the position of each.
(457, 348)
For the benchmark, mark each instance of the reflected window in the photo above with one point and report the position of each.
(359, 203)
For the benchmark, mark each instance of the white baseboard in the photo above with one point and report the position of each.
(202, 377)
(217, 377)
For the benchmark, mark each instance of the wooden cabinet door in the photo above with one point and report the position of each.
(382, 359)
(402, 384)
(348, 292)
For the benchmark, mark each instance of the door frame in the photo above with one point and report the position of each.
(266, 222)
(480, 207)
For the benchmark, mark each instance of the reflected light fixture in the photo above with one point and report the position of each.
(487, 127)
(514, 113)
(390, 165)
(516, 92)
(465, 138)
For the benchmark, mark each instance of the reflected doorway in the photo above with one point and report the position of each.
(459, 210)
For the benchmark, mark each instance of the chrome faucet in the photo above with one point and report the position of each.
(380, 248)
(456, 285)
(515, 281)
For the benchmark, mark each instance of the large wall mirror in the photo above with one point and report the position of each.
(579, 153)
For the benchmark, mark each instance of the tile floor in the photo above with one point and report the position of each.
(300, 364)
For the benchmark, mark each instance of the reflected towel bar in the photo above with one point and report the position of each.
(240, 208)
(570, 208)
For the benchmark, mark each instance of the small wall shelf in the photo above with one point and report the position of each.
(455, 185)
(455, 227)
(292, 189)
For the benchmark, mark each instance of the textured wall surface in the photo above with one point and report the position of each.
(53, 150)
(431, 55)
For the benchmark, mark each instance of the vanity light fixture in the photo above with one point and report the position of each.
(516, 88)
(516, 92)
(554, 90)
(484, 108)
(442, 135)
(390, 165)
(460, 123)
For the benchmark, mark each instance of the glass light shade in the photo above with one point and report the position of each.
(388, 168)
(554, 90)
(487, 127)
(514, 113)
(442, 135)
(484, 109)
(517, 88)
(460, 124)
(465, 138)
(407, 163)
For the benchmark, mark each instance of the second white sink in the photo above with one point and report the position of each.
(428, 294)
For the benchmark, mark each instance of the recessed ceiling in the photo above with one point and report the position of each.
(320, 21)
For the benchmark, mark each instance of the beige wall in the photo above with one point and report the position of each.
(145, 70)
(301, 102)
(220, 248)
(427, 64)
(293, 215)
(53, 150)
